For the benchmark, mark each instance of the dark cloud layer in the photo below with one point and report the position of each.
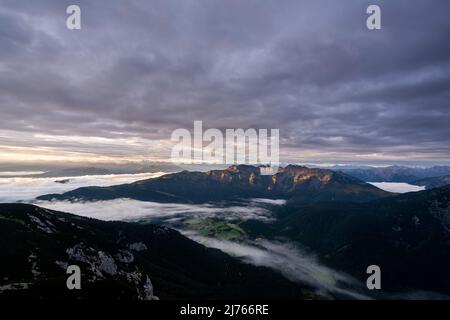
(137, 70)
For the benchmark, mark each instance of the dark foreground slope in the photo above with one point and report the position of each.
(119, 261)
(292, 182)
(408, 236)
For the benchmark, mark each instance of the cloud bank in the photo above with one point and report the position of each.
(14, 189)
(138, 70)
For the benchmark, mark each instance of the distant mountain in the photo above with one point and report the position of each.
(73, 172)
(296, 183)
(408, 236)
(120, 261)
(396, 173)
(61, 170)
(435, 182)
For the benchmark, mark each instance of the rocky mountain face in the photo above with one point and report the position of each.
(397, 173)
(408, 236)
(119, 260)
(296, 183)
(435, 182)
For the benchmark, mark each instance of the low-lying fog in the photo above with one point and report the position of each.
(128, 209)
(289, 259)
(293, 262)
(14, 189)
(397, 187)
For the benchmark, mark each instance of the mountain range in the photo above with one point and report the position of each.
(294, 183)
(395, 173)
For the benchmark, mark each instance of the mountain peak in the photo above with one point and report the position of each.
(242, 168)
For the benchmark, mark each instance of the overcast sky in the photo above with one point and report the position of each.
(137, 70)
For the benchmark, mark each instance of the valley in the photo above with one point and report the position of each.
(316, 228)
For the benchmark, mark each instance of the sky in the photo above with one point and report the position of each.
(137, 70)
